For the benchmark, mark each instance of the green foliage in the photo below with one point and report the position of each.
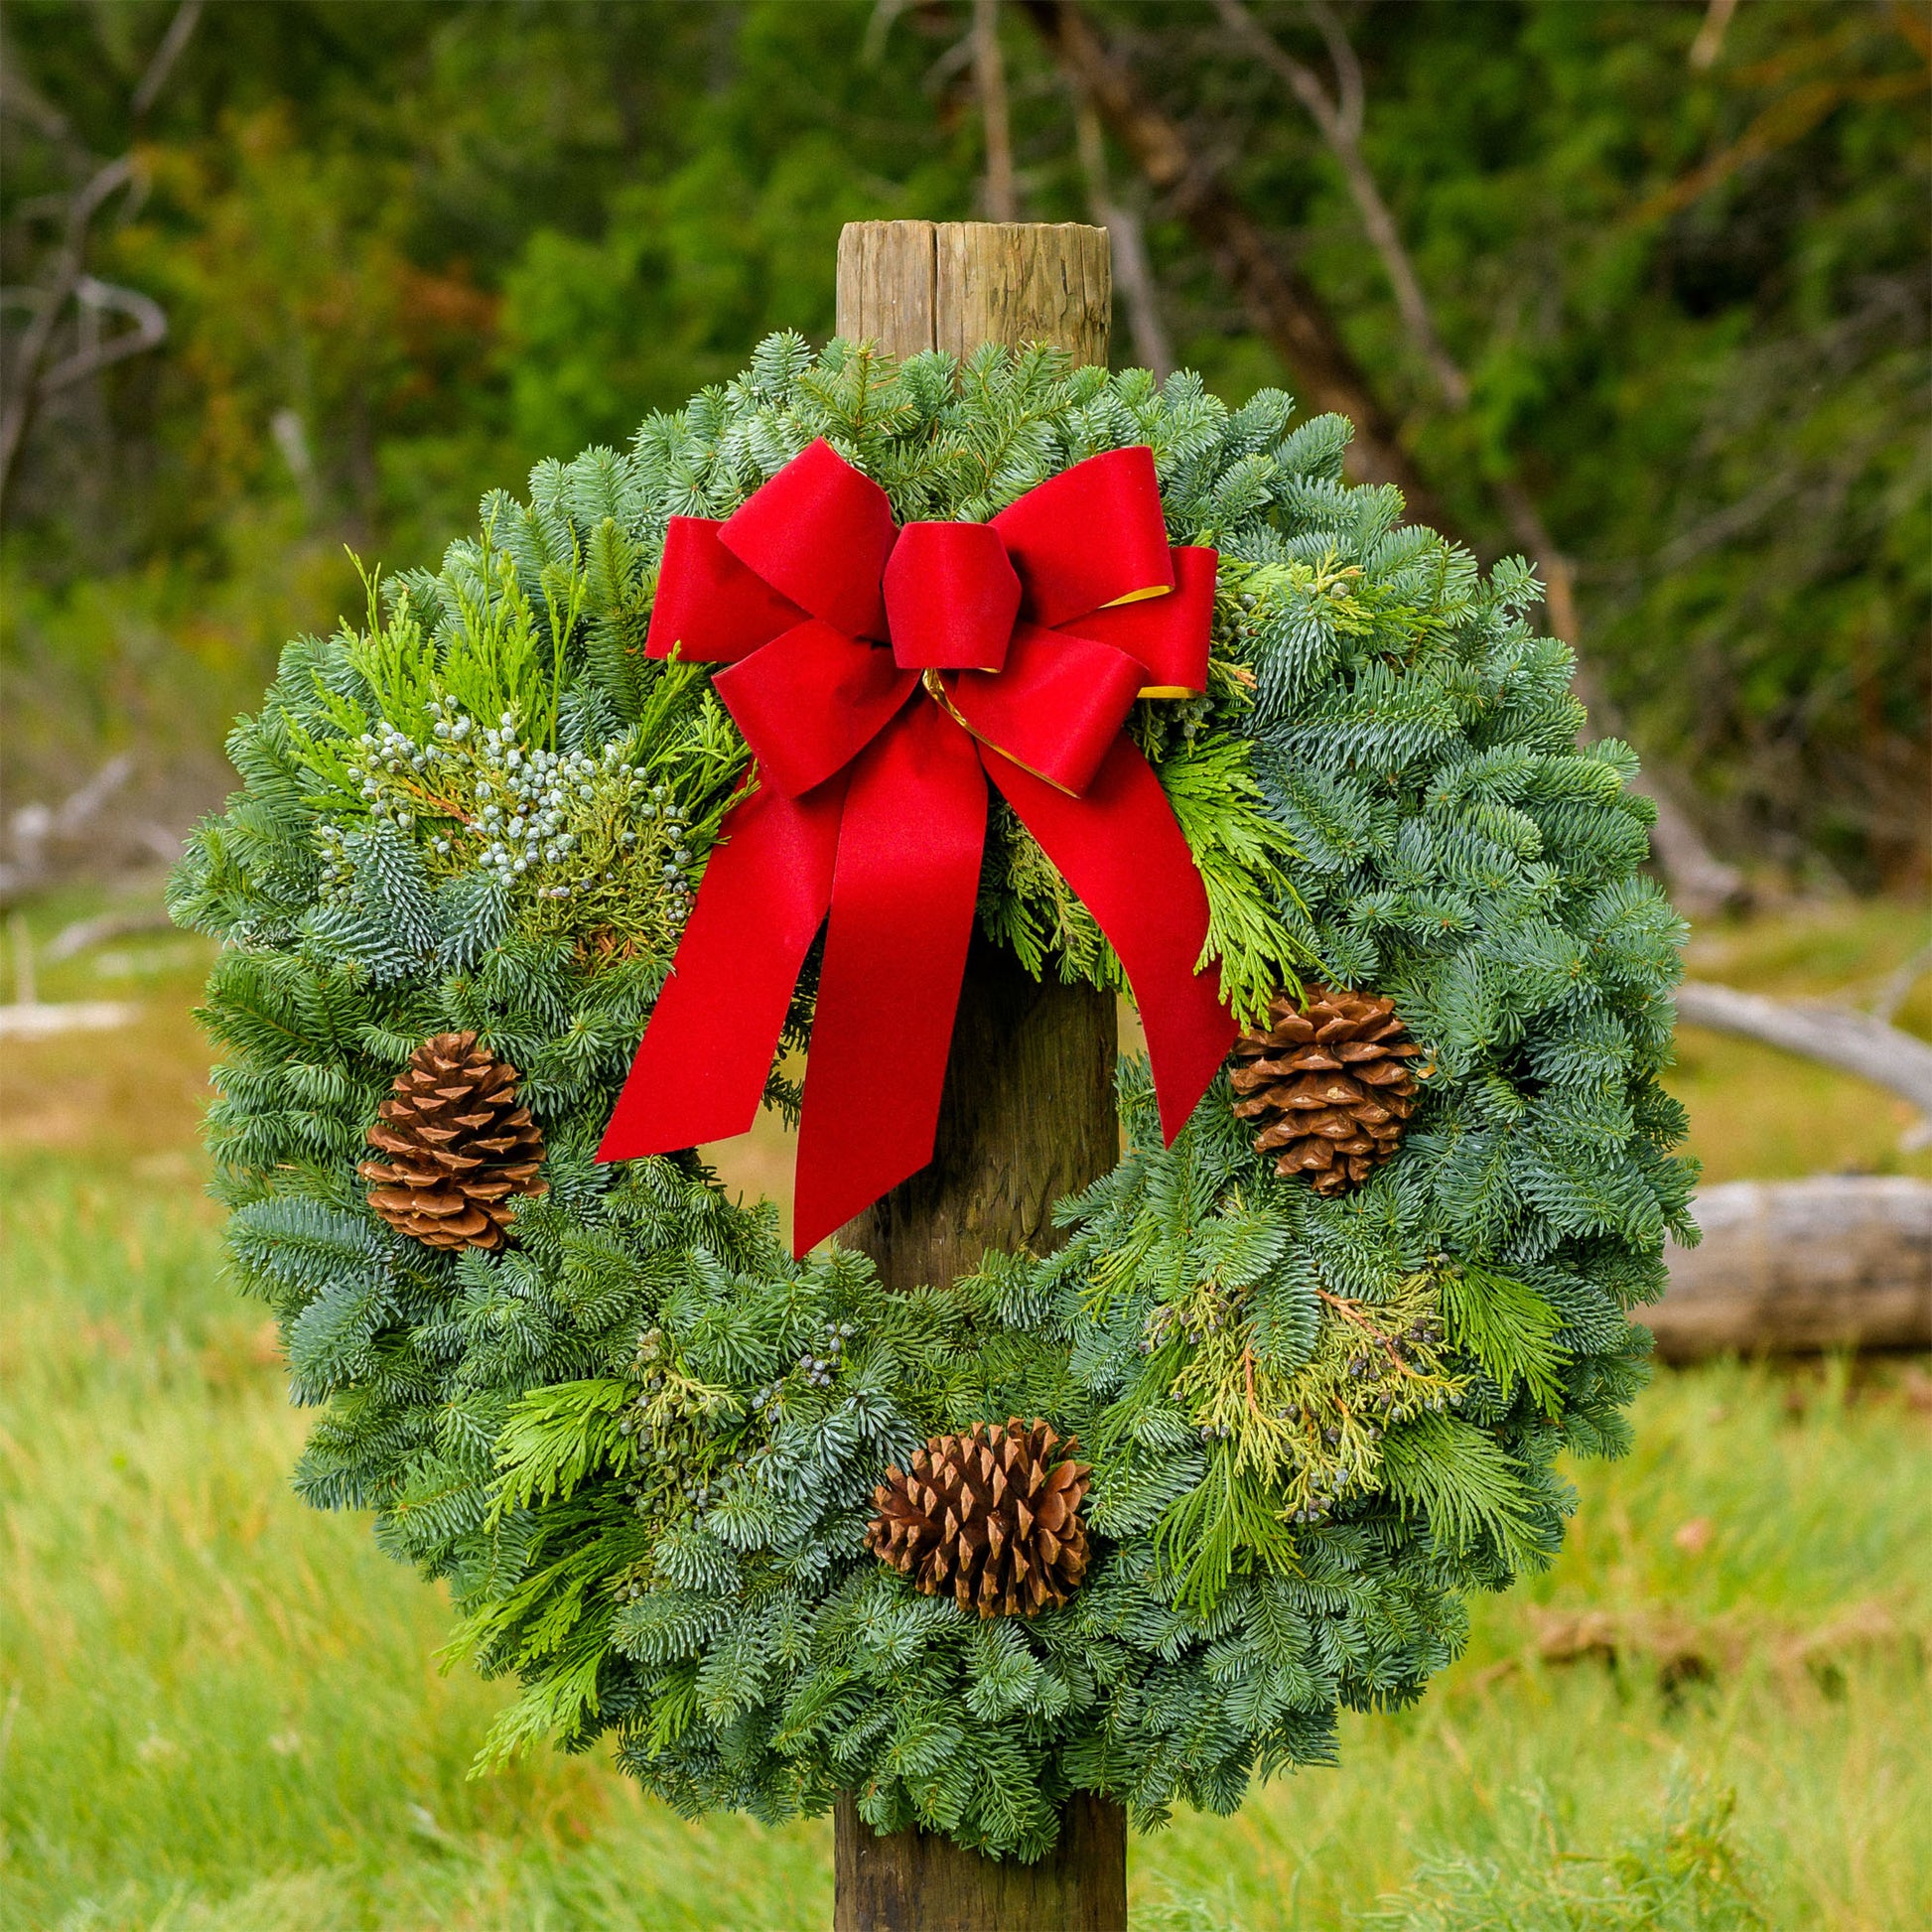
(1244, 857)
(1506, 1328)
(1685, 1874)
(1686, 296)
(1027, 906)
(214, 1690)
(1465, 1484)
(640, 1445)
(553, 1436)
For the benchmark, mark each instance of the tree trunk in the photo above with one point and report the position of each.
(1027, 1112)
(1288, 312)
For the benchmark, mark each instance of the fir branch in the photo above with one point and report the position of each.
(1463, 1480)
(1242, 853)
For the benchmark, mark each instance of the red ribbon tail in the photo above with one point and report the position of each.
(903, 898)
(1117, 846)
(701, 1069)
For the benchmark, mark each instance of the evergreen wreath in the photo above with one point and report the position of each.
(643, 1444)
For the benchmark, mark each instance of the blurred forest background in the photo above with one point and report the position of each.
(1635, 286)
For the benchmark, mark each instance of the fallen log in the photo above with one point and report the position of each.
(1797, 1266)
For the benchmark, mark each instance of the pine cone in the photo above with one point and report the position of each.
(1328, 1084)
(459, 1147)
(990, 1516)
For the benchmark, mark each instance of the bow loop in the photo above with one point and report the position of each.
(819, 533)
(1168, 634)
(1092, 536)
(812, 701)
(1055, 709)
(710, 608)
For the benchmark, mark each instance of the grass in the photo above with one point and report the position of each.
(223, 1711)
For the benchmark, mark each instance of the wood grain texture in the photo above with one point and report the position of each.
(917, 285)
(1026, 1117)
(1019, 282)
(1027, 1111)
(914, 1882)
(885, 292)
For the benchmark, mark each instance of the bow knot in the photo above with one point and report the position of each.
(1034, 633)
(951, 597)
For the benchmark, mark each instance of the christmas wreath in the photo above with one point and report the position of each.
(1136, 1516)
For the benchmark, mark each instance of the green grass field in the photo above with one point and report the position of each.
(221, 1710)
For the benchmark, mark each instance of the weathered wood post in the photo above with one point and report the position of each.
(1027, 1113)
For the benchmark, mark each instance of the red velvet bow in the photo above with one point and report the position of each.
(1032, 635)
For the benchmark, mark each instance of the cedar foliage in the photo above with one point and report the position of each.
(641, 1446)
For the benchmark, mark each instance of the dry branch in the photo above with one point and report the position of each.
(990, 79)
(1278, 301)
(1702, 882)
(50, 304)
(1339, 119)
(1854, 1043)
(1132, 271)
(29, 381)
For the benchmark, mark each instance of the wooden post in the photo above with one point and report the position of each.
(1028, 1114)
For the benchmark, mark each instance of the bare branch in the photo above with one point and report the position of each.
(81, 934)
(32, 827)
(1285, 310)
(1132, 269)
(884, 14)
(1854, 1043)
(24, 377)
(1292, 317)
(19, 96)
(1350, 99)
(1339, 122)
(989, 78)
(150, 329)
(1899, 983)
(1702, 882)
(29, 381)
(181, 31)
(1730, 521)
(1710, 41)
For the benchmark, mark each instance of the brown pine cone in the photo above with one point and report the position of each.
(1329, 1085)
(459, 1147)
(990, 1516)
